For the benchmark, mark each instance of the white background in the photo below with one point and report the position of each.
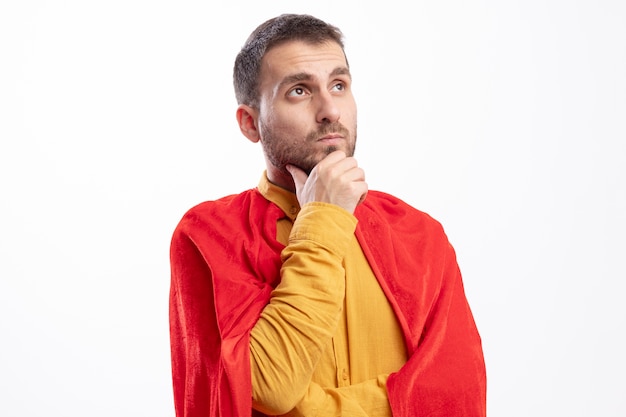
(505, 120)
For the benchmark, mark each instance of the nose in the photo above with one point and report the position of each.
(328, 109)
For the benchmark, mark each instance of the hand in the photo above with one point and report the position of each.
(336, 179)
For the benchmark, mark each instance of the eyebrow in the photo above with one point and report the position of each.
(305, 76)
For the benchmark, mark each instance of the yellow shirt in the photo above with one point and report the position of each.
(328, 321)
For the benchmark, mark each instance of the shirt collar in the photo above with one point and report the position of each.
(285, 199)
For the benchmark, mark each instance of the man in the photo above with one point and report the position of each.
(310, 295)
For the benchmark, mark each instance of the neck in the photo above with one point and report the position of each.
(281, 178)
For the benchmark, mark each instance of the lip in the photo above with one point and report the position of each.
(331, 138)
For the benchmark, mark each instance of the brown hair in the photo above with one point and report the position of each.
(280, 29)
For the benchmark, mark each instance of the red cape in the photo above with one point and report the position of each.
(225, 261)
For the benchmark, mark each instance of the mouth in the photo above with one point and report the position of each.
(331, 139)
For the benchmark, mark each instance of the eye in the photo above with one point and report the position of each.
(339, 87)
(296, 92)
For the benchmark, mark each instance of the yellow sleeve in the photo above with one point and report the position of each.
(303, 312)
(366, 399)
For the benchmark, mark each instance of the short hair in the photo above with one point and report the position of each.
(273, 32)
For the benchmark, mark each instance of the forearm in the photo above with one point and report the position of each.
(287, 341)
(366, 399)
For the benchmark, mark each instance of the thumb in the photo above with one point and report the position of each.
(298, 175)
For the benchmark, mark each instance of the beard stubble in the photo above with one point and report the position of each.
(281, 151)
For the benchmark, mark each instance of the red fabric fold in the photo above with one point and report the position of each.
(225, 261)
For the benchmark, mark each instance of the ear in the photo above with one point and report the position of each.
(247, 119)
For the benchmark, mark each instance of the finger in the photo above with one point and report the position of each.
(349, 169)
(298, 175)
(333, 158)
(362, 198)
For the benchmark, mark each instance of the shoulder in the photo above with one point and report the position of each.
(230, 206)
(234, 232)
(230, 220)
(398, 214)
(388, 221)
(405, 244)
(223, 214)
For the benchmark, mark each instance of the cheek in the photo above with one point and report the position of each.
(349, 111)
(287, 125)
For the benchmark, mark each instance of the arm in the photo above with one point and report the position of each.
(215, 299)
(295, 344)
(301, 318)
(366, 399)
(287, 341)
(195, 335)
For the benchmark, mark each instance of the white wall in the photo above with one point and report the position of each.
(505, 120)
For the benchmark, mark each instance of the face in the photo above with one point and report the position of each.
(306, 107)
